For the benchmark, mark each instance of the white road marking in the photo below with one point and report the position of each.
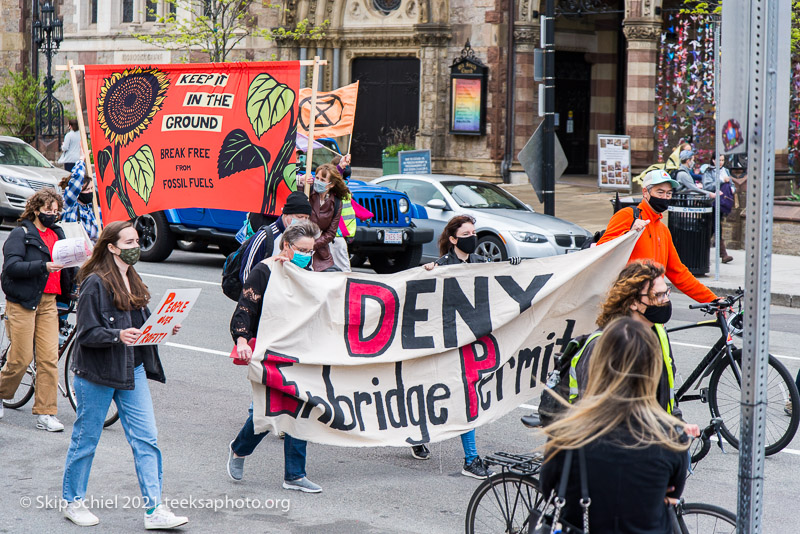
(708, 348)
(180, 279)
(198, 349)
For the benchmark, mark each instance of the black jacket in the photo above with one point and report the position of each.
(99, 355)
(627, 486)
(25, 274)
(451, 259)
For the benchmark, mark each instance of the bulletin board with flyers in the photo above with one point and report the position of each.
(614, 162)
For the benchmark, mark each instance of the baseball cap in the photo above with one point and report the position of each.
(686, 154)
(658, 176)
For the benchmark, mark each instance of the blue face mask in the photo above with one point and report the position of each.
(320, 187)
(301, 259)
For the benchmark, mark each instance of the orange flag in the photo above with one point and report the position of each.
(336, 111)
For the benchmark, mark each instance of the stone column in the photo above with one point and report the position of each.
(526, 95)
(433, 94)
(642, 35)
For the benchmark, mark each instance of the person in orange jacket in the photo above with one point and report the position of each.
(656, 241)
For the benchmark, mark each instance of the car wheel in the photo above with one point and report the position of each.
(492, 248)
(155, 238)
(357, 260)
(398, 261)
(192, 246)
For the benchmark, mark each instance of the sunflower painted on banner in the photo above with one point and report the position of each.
(128, 102)
(193, 136)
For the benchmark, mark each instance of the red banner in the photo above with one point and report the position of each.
(216, 135)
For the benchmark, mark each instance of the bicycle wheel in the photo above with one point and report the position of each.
(724, 397)
(111, 416)
(25, 389)
(503, 503)
(699, 518)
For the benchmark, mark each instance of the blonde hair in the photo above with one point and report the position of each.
(624, 373)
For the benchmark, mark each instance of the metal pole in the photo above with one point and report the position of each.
(718, 144)
(549, 144)
(760, 186)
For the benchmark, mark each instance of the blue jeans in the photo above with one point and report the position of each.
(294, 450)
(470, 449)
(135, 409)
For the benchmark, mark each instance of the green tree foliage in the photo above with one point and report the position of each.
(215, 27)
(19, 94)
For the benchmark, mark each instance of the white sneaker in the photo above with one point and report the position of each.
(79, 513)
(162, 518)
(2, 408)
(49, 423)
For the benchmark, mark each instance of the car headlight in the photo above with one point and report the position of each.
(403, 205)
(13, 180)
(528, 237)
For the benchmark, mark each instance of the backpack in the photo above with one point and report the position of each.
(599, 235)
(231, 280)
(558, 380)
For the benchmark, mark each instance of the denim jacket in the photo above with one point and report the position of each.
(100, 356)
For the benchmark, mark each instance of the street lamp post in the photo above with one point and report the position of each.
(48, 32)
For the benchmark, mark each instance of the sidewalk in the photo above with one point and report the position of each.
(578, 200)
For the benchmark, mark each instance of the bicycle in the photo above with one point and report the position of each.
(506, 501)
(722, 364)
(66, 341)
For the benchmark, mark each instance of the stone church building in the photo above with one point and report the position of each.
(402, 51)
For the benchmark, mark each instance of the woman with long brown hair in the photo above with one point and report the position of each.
(111, 311)
(327, 195)
(635, 451)
(31, 282)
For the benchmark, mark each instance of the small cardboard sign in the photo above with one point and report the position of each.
(172, 310)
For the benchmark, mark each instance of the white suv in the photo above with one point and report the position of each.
(23, 171)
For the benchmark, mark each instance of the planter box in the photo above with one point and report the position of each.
(785, 228)
(391, 165)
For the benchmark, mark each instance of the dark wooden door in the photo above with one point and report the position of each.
(388, 97)
(573, 97)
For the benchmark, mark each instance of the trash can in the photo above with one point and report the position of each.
(619, 202)
(691, 219)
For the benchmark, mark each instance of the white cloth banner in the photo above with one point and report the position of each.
(419, 356)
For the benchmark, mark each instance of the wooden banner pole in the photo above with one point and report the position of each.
(311, 121)
(84, 140)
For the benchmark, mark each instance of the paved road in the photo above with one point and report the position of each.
(375, 490)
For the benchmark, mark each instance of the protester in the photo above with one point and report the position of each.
(727, 191)
(296, 209)
(31, 282)
(297, 247)
(457, 245)
(71, 147)
(685, 176)
(656, 241)
(79, 201)
(635, 452)
(327, 195)
(111, 311)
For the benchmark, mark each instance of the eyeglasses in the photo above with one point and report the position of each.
(658, 297)
(46, 212)
(309, 252)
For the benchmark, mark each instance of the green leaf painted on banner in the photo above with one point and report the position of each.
(239, 154)
(268, 102)
(110, 191)
(103, 159)
(290, 176)
(140, 171)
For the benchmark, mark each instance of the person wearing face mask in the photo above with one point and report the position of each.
(296, 209)
(31, 282)
(297, 247)
(656, 240)
(78, 201)
(685, 176)
(457, 245)
(328, 192)
(112, 308)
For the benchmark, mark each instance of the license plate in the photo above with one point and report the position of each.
(393, 237)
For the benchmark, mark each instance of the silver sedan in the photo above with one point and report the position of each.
(506, 226)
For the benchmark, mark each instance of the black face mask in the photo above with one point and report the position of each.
(659, 314)
(467, 244)
(85, 198)
(48, 220)
(659, 205)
